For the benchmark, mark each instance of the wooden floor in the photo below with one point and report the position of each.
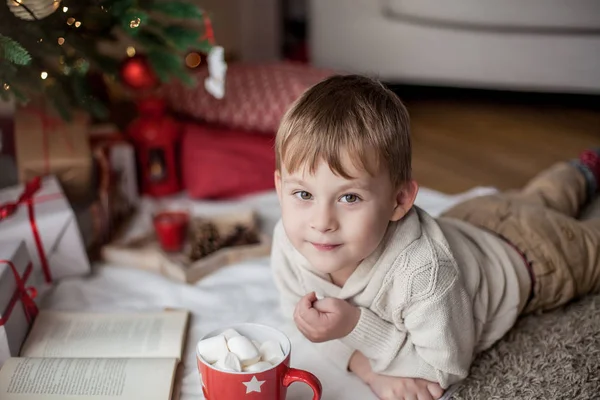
(465, 139)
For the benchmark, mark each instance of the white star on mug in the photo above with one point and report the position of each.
(253, 385)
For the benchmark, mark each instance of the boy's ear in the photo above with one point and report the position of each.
(405, 198)
(277, 178)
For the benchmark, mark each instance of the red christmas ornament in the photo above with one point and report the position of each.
(137, 74)
(156, 136)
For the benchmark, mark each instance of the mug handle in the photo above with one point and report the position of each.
(297, 375)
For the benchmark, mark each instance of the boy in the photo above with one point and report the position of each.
(409, 300)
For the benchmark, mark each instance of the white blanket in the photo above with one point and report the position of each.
(238, 293)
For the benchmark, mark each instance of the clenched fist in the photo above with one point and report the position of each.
(326, 319)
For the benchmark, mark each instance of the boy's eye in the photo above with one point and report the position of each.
(303, 195)
(350, 198)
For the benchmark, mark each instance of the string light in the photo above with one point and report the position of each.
(61, 41)
(77, 24)
(65, 9)
(70, 21)
(134, 23)
(6, 86)
(130, 51)
(44, 75)
(40, 40)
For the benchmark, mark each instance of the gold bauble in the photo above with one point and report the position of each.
(39, 8)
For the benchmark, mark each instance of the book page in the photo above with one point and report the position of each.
(85, 378)
(93, 335)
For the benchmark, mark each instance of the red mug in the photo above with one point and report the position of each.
(171, 229)
(270, 384)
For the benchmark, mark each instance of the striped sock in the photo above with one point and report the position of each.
(589, 165)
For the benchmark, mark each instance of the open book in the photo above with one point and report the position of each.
(85, 356)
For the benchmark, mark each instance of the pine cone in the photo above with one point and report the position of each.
(205, 239)
(242, 235)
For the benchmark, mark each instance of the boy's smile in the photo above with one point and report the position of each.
(335, 222)
(325, 246)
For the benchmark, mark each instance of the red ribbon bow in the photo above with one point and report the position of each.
(25, 294)
(8, 209)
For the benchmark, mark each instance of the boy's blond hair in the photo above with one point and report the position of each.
(346, 114)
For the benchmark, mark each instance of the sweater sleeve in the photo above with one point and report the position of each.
(432, 335)
(440, 337)
(289, 283)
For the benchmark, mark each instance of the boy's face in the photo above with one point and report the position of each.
(336, 222)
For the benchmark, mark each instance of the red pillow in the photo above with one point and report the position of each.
(256, 96)
(223, 163)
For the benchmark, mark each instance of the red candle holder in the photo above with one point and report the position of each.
(171, 229)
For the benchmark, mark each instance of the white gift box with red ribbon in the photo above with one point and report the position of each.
(17, 307)
(39, 214)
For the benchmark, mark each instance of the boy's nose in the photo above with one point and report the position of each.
(323, 220)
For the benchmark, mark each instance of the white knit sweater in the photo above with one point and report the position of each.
(428, 303)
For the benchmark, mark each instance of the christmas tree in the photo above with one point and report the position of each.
(49, 47)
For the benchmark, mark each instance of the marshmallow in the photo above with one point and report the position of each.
(243, 348)
(212, 349)
(319, 296)
(256, 344)
(258, 367)
(229, 363)
(230, 333)
(271, 352)
(276, 360)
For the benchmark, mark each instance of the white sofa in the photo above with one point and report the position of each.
(539, 45)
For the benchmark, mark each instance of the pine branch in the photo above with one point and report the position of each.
(64, 45)
(176, 9)
(12, 51)
(180, 37)
(164, 64)
(85, 98)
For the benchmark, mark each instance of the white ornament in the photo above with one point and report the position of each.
(253, 385)
(217, 68)
(39, 8)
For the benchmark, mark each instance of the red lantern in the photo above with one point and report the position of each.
(156, 136)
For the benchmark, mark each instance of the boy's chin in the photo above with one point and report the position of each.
(325, 268)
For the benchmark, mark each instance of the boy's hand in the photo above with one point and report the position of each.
(326, 319)
(394, 388)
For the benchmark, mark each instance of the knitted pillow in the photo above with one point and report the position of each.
(256, 96)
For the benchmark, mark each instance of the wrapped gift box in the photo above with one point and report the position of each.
(47, 145)
(41, 216)
(116, 182)
(115, 157)
(17, 308)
